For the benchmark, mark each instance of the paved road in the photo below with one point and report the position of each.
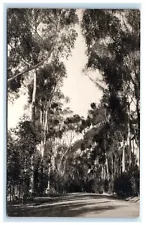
(77, 205)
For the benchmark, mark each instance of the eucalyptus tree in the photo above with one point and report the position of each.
(113, 49)
(37, 39)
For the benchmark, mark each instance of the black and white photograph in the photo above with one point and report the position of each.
(73, 113)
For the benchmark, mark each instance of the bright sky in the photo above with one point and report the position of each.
(77, 86)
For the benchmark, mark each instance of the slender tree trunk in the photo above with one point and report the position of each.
(111, 176)
(107, 169)
(123, 158)
(45, 154)
(133, 150)
(19, 190)
(129, 144)
(138, 116)
(45, 128)
(32, 174)
(102, 172)
(33, 99)
(41, 113)
(10, 193)
(129, 132)
(13, 192)
(113, 167)
(42, 126)
(33, 121)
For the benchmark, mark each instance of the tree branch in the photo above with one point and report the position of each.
(97, 84)
(30, 68)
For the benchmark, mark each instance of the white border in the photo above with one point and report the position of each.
(143, 108)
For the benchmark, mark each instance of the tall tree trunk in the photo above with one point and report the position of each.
(41, 113)
(112, 177)
(33, 121)
(129, 144)
(129, 132)
(107, 169)
(41, 123)
(19, 190)
(133, 147)
(45, 151)
(123, 158)
(138, 116)
(45, 129)
(32, 174)
(33, 98)
(10, 192)
(137, 96)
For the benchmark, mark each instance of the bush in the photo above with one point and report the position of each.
(127, 184)
(106, 185)
(122, 185)
(135, 179)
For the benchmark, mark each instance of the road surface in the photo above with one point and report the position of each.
(76, 205)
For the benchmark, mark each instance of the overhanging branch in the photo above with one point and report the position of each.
(30, 68)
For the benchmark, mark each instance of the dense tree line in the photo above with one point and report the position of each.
(56, 151)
